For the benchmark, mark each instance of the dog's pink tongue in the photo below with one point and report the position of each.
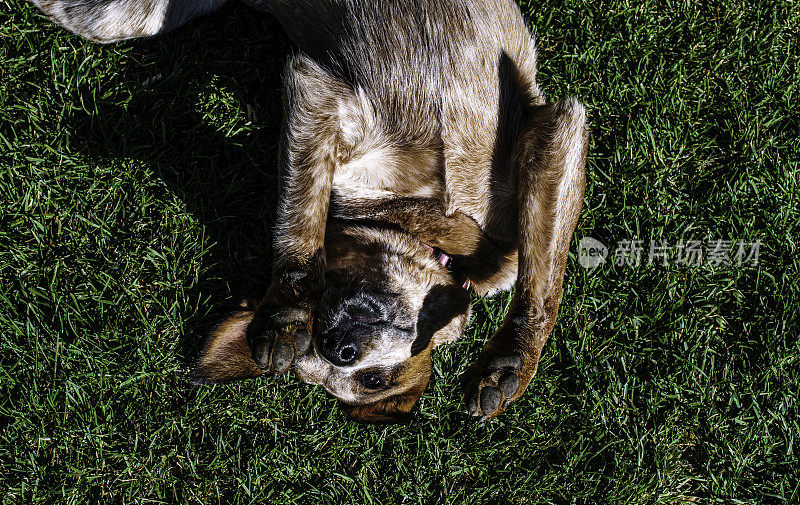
(444, 260)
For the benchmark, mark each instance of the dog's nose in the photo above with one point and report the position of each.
(339, 349)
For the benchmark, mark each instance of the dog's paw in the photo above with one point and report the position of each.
(492, 383)
(279, 335)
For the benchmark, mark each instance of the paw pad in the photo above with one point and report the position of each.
(278, 336)
(282, 357)
(490, 398)
(491, 384)
(508, 384)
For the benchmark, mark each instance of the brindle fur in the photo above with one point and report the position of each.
(406, 123)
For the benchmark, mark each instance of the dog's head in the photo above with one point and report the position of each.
(386, 304)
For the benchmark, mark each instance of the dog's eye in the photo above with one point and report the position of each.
(371, 381)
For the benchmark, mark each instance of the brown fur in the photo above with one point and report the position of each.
(409, 125)
(226, 355)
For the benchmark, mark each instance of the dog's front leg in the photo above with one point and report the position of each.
(424, 218)
(281, 329)
(550, 162)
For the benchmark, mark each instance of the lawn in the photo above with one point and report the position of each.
(137, 191)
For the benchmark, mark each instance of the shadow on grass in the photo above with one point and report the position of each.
(176, 107)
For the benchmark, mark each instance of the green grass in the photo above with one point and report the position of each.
(137, 186)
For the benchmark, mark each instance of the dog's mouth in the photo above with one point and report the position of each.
(456, 270)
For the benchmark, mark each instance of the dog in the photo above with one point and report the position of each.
(419, 161)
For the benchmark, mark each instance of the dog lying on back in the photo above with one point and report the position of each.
(419, 160)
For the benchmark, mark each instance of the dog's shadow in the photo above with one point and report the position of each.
(201, 108)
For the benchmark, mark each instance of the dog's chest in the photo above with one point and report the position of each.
(383, 167)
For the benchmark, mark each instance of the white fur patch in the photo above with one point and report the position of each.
(569, 136)
(116, 20)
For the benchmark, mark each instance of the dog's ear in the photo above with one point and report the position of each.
(393, 410)
(226, 356)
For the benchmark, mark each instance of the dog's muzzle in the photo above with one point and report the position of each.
(349, 326)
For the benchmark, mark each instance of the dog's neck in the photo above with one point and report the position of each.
(456, 270)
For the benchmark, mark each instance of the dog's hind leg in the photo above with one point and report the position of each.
(550, 163)
(114, 20)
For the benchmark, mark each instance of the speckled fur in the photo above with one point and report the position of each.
(406, 123)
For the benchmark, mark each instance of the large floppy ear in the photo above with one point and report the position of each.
(226, 356)
(393, 410)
